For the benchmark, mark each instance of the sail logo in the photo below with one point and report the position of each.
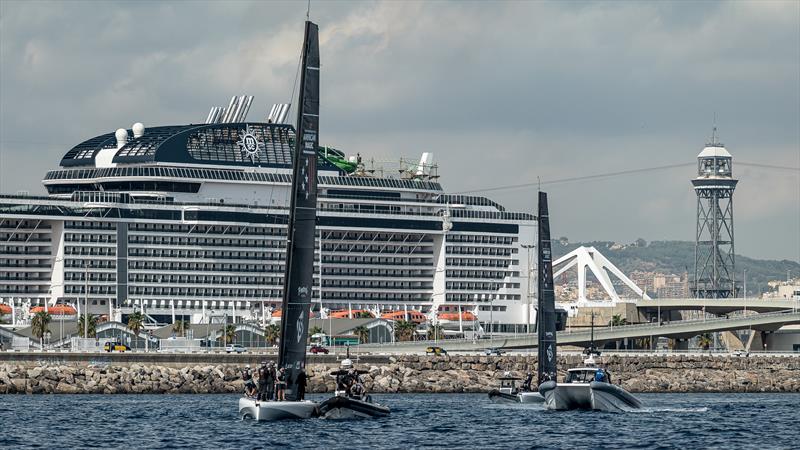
(550, 352)
(300, 328)
(309, 140)
(302, 291)
(249, 145)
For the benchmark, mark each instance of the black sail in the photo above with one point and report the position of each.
(546, 316)
(298, 279)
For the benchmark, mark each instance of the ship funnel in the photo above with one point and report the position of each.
(229, 111)
(138, 130)
(122, 137)
(278, 113)
(245, 109)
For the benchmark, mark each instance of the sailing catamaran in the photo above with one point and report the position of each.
(587, 387)
(299, 271)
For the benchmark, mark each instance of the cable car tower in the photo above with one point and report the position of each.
(713, 249)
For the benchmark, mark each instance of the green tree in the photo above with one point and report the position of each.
(180, 327)
(435, 332)
(39, 325)
(404, 330)
(362, 315)
(92, 325)
(271, 333)
(617, 320)
(315, 330)
(136, 324)
(230, 334)
(363, 334)
(704, 341)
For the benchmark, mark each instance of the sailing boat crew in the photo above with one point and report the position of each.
(249, 384)
(266, 382)
(280, 384)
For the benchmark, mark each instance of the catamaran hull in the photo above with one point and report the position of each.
(266, 411)
(350, 408)
(596, 395)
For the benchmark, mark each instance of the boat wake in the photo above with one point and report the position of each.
(670, 410)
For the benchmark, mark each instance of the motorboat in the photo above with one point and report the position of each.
(509, 393)
(250, 408)
(350, 400)
(343, 406)
(587, 387)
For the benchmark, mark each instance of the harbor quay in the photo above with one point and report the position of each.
(37, 373)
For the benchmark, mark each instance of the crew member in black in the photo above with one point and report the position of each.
(302, 378)
(263, 378)
(249, 384)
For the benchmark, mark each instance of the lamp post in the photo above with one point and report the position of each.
(528, 299)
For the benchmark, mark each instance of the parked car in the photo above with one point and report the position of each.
(435, 351)
(493, 351)
(235, 348)
(318, 349)
(115, 347)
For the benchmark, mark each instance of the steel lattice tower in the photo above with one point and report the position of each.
(713, 250)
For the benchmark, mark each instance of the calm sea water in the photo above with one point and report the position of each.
(723, 421)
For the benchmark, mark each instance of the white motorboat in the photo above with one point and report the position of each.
(509, 393)
(250, 408)
(587, 387)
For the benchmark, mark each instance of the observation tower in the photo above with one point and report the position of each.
(713, 250)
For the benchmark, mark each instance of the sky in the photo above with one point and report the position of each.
(502, 93)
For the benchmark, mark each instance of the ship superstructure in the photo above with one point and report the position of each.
(189, 221)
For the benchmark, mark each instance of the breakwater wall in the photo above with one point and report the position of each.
(406, 373)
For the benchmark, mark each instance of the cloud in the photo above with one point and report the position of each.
(501, 92)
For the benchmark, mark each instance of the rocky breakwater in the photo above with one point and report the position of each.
(134, 379)
(427, 374)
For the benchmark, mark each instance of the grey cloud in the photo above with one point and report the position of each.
(500, 92)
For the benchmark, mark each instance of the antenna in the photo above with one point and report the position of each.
(714, 129)
(539, 184)
(308, 11)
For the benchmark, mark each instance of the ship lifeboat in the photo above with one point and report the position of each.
(4, 309)
(345, 313)
(277, 314)
(466, 316)
(413, 316)
(64, 311)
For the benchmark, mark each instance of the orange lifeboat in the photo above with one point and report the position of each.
(345, 313)
(56, 310)
(413, 316)
(277, 313)
(466, 316)
(4, 309)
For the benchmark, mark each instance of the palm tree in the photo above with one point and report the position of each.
(230, 333)
(704, 341)
(404, 330)
(91, 328)
(271, 333)
(39, 325)
(363, 334)
(362, 315)
(180, 326)
(435, 332)
(315, 330)
(617, 321)
(135, 324)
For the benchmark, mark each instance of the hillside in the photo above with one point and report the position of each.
(678, 257)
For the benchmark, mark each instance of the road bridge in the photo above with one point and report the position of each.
(682, 329)
(717, 305)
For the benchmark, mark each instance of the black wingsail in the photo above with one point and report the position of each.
(546, 316)
(298, 279)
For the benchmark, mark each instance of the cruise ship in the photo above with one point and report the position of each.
(188, 222)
